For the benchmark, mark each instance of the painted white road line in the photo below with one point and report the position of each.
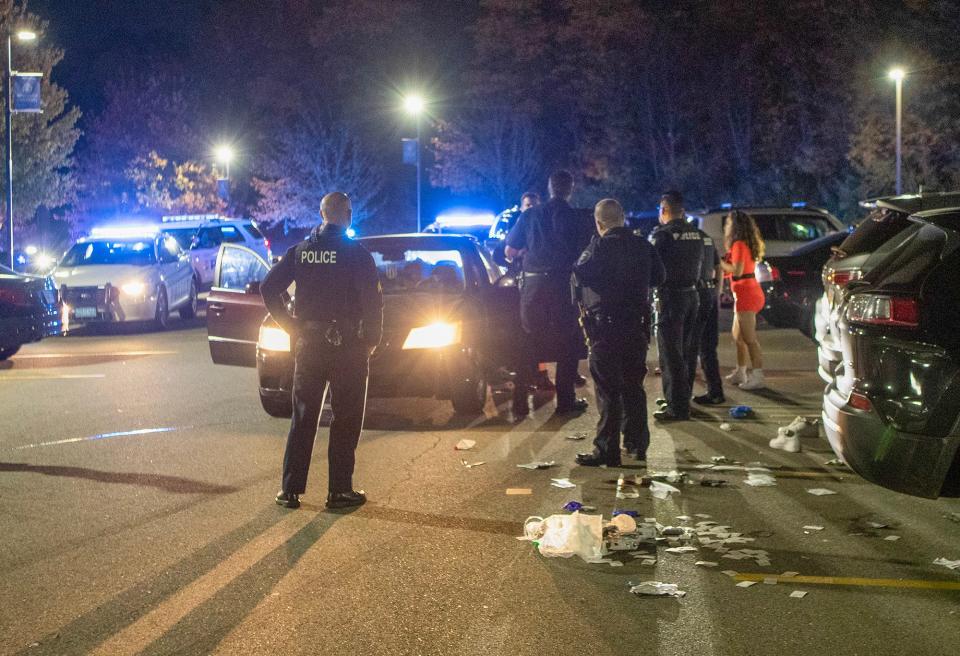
(101, 436)
(94, 354)
(8, 378)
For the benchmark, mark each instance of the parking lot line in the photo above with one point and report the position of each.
(12, 377)
(84, 354)
(99, 436)
(854, 581)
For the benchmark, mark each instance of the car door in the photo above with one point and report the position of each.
(501, 301)
(176, 270)
(235, 308)
(205, 252)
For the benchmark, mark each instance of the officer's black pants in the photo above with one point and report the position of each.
(618, 365)
(707, 337)
(344, 368)
(675, 340)
(552, 333)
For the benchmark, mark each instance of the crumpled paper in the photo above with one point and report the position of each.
(820, 491)
(760, 480)
(538, 464)
(662, 490)
(465, 445)
(949, 564)
(657, 589)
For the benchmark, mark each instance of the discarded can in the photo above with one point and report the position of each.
(573, 506)
(741, 411)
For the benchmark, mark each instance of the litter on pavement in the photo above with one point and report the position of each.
(513, 491)
(465, 445)
(812, 528)
(706, 563)
(724, 426)
(760, 480)
(577, 436)
(949, 564)
(798, 594)
(801, 427)
(820, 491)
(836, 462)
(741, 411)
(574, 506)
(661, 490)
(656, 589)
(746, 584)
(577, 534)
(681, 550)
(563, 483)
(538, 464)
(892, 538)
(470, 465)
(789, 575)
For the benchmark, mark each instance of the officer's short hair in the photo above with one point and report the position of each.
(561, 183)
(673, 200)
(532, 195)
(609, 213)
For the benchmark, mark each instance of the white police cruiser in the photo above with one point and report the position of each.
(202, 235)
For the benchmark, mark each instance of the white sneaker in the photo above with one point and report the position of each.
(754, 381)
(736, 377)
(803, 427)
(789, 443)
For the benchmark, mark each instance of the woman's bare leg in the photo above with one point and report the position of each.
(747, 324)
(743, 354)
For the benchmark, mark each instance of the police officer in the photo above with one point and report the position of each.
(336, 326)
(680, 247)
(611, 283)
(707, 329)
(550, 238)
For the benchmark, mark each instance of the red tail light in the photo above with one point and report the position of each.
(859, 401)
(882, 310)
(266, 242)
(774, 273)
(841, 278)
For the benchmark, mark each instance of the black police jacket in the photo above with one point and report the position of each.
(615, 273)
(711, 260)
(336, 280)
(680, 247)
(554, 234)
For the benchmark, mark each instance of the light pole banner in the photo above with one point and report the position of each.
(26, 92)
(410, 151)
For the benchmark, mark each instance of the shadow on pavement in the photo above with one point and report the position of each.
(27, 362)
(174, 484)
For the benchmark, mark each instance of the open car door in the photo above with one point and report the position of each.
(235, 308)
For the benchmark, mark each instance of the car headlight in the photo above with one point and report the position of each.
(135, 288)
(273, 339)
(436, 335)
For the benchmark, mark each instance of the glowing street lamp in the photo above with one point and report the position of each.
(414, 104)
(24, 36)
(897, 75)
(224, 154)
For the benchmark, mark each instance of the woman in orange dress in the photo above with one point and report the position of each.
(744, 249)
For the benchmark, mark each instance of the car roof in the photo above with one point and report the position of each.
(806, 209)
(913, 203)
(434, 240)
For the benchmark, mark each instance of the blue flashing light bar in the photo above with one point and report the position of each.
(798, 205)
(120, 232)
(465, 219)
(726, 206)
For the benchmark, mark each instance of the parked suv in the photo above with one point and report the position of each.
(892, 411)
(783, 228)
(879, 233)
(202, 234)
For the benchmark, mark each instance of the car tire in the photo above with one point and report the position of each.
(161, 319)
(277, 407)
(8, 352)
(189, 311)
(470, 395)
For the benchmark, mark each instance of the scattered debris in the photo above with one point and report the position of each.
(836, 462)
(760, 480)
(471, 465)
(770, 580)
(892, 538)
(615, 563)
(724, 426)
(731, 573)
(563, 483)
(722, 460)
(577, 436)
(648, 561)
(798, 594)
(624, 523)
(465, 445)
(681, 550)
(576, 534)
(801, 427)
(538, 464)
(812, 528)
(632, 513)
(684, 518)
(713, 482)
(574, 506)
(702, 515)
(660, 490)
(533, 528)
(656, 589)
(741, 411)
(706, 563)
(820, 491)
(789, 575)
(953, 517)
(949, 564)
(876, 525)
(746, 584)
(672, 476)
(512, 491)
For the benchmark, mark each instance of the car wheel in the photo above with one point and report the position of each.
(161, 319)
(277, 407)
(189, 311)
(470, 395)
(8, 352)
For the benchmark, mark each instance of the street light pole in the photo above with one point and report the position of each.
(414, 104)
(897, 75)
(9, 116)
(419, 149)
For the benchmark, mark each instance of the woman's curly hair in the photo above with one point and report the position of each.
(744, 228)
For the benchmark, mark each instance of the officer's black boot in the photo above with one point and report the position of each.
(346, 499)
(288, 500)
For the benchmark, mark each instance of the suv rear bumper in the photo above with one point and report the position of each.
(911, 463)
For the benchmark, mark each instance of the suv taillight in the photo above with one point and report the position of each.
(841, 278)
(882, 310)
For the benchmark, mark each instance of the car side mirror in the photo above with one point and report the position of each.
(253, 287)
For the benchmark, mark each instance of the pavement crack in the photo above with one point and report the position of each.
(409, 469)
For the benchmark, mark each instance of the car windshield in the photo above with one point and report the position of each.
(405, 270)
(184, 236)
(137, 252)
(881, 225)
(792, 227)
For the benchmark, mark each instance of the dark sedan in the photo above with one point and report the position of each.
(892, 411)
(795, 284)
(450, 321)
(29, 310)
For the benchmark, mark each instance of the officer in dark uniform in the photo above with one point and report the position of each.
(337, 325)
(611, 283)
(550, 238)
(680, 247)
(707, 329)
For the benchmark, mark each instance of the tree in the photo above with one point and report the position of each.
(178, 188)
(495, 151)
(42, 143)
(310, 159)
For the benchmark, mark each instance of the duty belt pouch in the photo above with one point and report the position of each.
(333, 335)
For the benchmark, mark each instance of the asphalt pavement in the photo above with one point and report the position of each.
(137, 517)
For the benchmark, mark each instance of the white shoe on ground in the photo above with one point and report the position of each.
(789, 443)
(736, 376)
(802, 427)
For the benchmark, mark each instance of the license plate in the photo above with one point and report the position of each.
(85, 312)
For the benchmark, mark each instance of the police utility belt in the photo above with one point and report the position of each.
(594, 322)
(336, 333)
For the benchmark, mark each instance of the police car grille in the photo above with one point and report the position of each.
(83, 296)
